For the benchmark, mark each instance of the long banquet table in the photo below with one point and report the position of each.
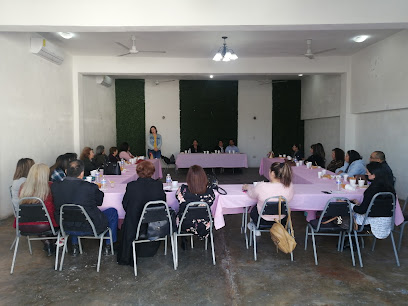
(212, 160)
(308, 197)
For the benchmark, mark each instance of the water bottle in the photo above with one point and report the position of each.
(338, 182)
(168, 180)
(103, 183)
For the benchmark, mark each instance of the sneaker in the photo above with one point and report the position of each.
(75, 250)
(60, 242)
(251, 226)
(257, 233)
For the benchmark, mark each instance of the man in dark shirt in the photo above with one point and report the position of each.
(74, 190)
(379, 157)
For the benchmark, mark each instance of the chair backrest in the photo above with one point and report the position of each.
(12, 204)
(36, 212)
(336, 207)
(405, 204)
(271, 207)
(154, 211)
(73, 215)
(196, 210)
(383, 199)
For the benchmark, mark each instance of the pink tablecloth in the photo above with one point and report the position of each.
(130, 173)
(212, 160)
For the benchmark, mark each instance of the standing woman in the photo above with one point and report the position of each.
(196, 190)
(20, 176)
(154, 143)
(86, 156)
(37, 185)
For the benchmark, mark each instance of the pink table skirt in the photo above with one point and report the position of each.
(130, 174)
(212, 160)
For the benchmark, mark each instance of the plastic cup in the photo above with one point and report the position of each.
(255, 183)
(89, 179)
(319, 174)
(174, 184)
(284, 155)
(112, 184)
(353, 182)
(345, 176)
(361, 183)
(323, 171)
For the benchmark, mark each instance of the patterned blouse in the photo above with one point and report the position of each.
(335, 164)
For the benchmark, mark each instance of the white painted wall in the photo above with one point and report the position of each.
(325, 131)
(254, 136)
(379, 82)
(99, 114)
(36, 108)
(163, 100)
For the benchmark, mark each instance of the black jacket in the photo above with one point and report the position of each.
(380, 208)
(198, 150)
(100, 160)
(88, 166)
(138, 193)
(76, 191)
(113, 159)
(316, 160)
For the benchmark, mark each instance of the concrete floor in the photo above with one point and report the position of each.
(236, 279)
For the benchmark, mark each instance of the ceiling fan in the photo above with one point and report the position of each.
(133, 50)
(309, 54)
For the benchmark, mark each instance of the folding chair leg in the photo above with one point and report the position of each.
(351, 248)
(80, 245)
(29, 245)
(134, 258)
(14, 242)
(250, 237)
(314, 247)
(342, 243)
(306, 237)
(395, 249)
(165, 246)
(362, 242)
(99, 254)
(254, 238)
(14, 255)
(192, 243)
(212, 246)
(340, 240)
(206, 243)
(400, 235)
(63, 252)
(111, 241)
(373, 246)
(57, 252)
(358, 249)
(175, 250)
(242, 223)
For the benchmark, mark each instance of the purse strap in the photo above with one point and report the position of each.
(292, 232)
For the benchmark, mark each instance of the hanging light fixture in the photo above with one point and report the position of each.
(224, 53)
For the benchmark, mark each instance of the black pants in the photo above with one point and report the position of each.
(255, 215)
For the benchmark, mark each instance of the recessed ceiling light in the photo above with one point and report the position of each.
(211, 76)
(360, 38)
(300, 74)
(66, 35)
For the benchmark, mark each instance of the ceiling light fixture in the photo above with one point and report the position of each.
(66, 35)
(224, 53)
(360, 38)
(300, 74)
(211, 76)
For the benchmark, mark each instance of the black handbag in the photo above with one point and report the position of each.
(112, 169)
(213, 184)
(160, 229)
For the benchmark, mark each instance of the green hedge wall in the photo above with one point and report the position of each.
(287, 127)
(208, 112)
(130, 114)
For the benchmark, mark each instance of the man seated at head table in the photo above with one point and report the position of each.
(74, 190)
(220, 147)
(379, 156)
(231, 147)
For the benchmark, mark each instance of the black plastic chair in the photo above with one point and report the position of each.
(195, 210)
(335, 207)
(403, 224)
(32, 213)
(154, 211)
(270, 207)
(70, 216)
(381, 198)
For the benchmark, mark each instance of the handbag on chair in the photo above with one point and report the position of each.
(281, 238)
(112, 169)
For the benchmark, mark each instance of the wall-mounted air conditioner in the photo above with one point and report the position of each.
(104, 80)
(47, 50)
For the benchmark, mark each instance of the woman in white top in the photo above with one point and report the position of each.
(280, 184)
(20, 176)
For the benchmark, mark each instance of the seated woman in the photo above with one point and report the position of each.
(297, 154)
(337, 160)
(154, 143)
(57, 171)
(280, 184)
(113, 155)
(37, 185)
(318, 156)
(87, 156)
(195, 148)
(196, 190)
(100, 157)
(380, 182)
(20, 176)
(354, 165)
(124, 151)
(138, 193)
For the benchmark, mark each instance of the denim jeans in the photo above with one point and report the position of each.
(156, 154)
(112, 216)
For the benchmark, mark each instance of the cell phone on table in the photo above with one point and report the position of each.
(326, 192)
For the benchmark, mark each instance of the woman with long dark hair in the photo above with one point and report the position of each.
(337, 160)
(196, 190)
(354, 164)
(318, 155)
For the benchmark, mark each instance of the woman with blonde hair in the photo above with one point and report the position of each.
(20, 176)
(280, 184)
(37, 185)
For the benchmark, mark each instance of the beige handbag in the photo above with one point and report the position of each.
(279, 234)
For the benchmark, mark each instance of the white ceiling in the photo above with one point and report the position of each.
(204, 44)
